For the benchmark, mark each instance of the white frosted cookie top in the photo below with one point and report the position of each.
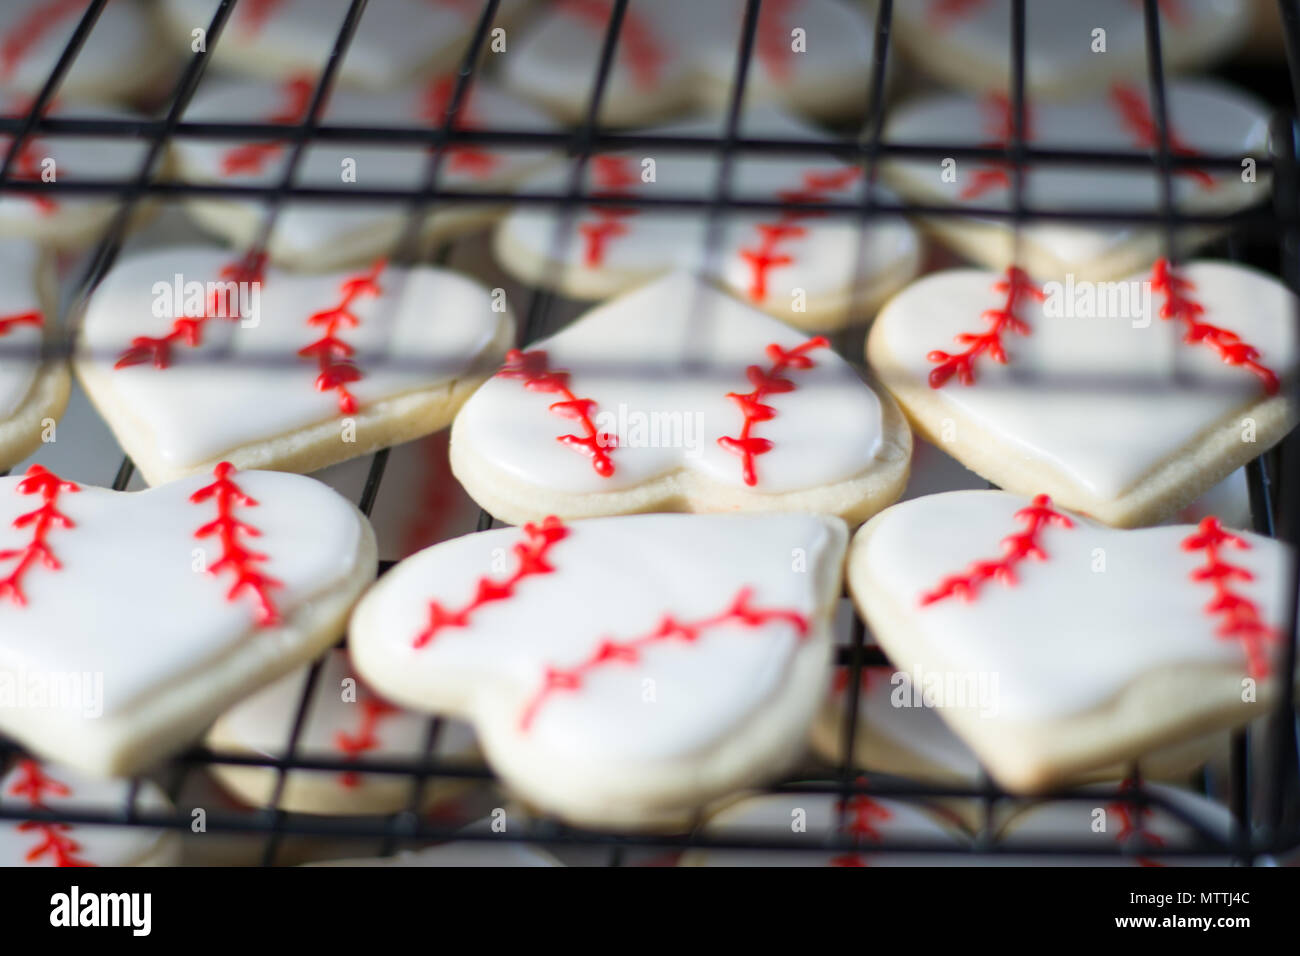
(318, 226)
(1205, 117)
(394, 39)
(130, 600)
(810, 817)
(1061, 638)
(1102, 399)
(34, 33)
(572, 657)
(250, 380)
(50, 787)
(664, 367)
(22, 321)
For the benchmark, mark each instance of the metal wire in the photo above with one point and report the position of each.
(1273, 481)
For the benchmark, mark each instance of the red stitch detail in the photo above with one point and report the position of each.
(8, 322)
(1131, 817)
(532, 553)
(31, 29)
(187, 330)
(38, 481)
(766, 382)
(861, 825)
(772, 44)
(609, 651)
(767, 255)
(995, 174)
(254, 14)
(236, 556)
(295, 95)
(366, 739)
(1135, 114)
(334, 355)
(27, 164)
(36, 785)
(613, 176)
(532, 366)
(434, 104)
(1015, 286)
(636, 38)
(1239, 617)
(1015, 548)
(1227, 344)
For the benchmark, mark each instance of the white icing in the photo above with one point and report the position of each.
(1059, 35)
(1208, 117)
(676, 347)
(20, 344)
(1074, 822)
(394, 38)
(245, 384)
(773, 816)
(127, 601)
(98, 845)
(262, 722)
(1061, 640)
(614, 578)
(697, 45)
(108, 158)
(316, 226)
(833, 255)
(121, 35)
(1099, 399)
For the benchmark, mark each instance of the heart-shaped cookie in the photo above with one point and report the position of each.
(344, 721)
(1125, 403)
(53, 788)
(321, 236)
(1204, 117)
(1054, 646)
(621, 671)
(33, 392)
(1069, 46)
(394, 39)
(193, 359)
(677, 397)
(128, 621)
(810, 56)
(799, 264)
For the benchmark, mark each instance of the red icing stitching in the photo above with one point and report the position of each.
(1014, 286)
(187, 330)
(8, 322)
(533, 368)
(332, 353)
(27, 164)
(1239, 617)
(532, 552)
(295, 97)
(995, 174)
(1135, 114)
(38, 481)
(1015, 548)
(1131, 817)
(762, 258)
(861, 825)
(236, 556)
(772, 45)
(766, 382)
(609, 651)
(636, 38)
(434, 103)
(254, 14)
(366, 739)
(1227, 344)
(31, 29)
(613, 176)
(36, 785)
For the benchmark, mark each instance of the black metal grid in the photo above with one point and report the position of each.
(1265, 826)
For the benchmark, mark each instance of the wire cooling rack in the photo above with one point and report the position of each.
(1263, 789)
